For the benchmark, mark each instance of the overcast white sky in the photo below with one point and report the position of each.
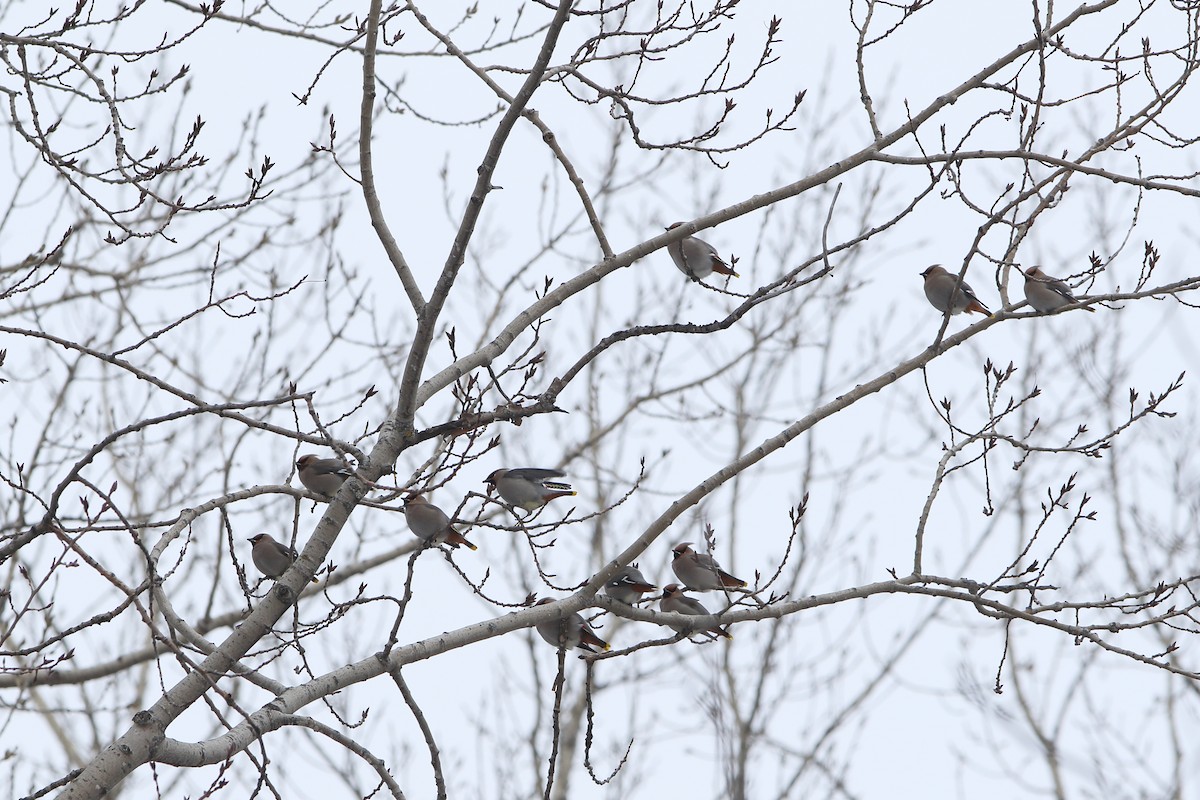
(933, 727)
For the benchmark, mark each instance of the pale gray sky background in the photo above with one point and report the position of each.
(932, 727)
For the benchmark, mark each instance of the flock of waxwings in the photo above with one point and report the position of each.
(530, 488)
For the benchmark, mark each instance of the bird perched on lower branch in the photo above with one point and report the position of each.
(697, 258)
(945, 291)
(430, 523)
(271, 557)
(570, 632)
(675, 601)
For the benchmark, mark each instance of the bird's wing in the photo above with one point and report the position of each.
(534, 473)
(690, 605)
(1060, 288)
(331, 466)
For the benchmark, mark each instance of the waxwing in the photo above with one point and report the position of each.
(571, 631)
(628, 585)
(696, 258)
(271, 557)
(699, 572)
(529, 488)
(1045, 293)
(673, 600)
(429, 522)
(940, 284)
(324, 476)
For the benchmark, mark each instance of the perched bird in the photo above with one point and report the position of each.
(940, 285)
(324, 476)
(699, 572)
(1045, 293)
(697, 258)
(570, 631)
(674, 600)
(628, 585)
(429, 522)
(529, 488)
(271, 557)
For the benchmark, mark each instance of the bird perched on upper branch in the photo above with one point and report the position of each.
(628, 585)
(529, 488)
(324, 476)
(700, 572)
(674, 600)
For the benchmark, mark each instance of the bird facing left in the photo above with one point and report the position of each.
(271, 557)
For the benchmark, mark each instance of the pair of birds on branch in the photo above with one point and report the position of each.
(1044, 293)
(696, 571)
(528, 488)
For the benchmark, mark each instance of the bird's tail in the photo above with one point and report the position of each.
(455, 538)
(590, 638)
(978, 308)
(730, 581)
(720, 267)
(568, 492)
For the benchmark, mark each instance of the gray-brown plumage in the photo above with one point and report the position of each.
(322, 476)
(1045, 293)
(430, 523)
(271, 557)
(628, 585)
(696, 258)
(529, 488)
(700, 572)
(940, 287)
(675, 601)
(570, 632)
